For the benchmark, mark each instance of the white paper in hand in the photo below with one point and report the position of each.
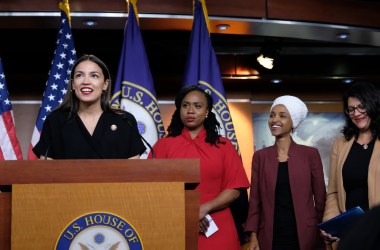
(212, 228)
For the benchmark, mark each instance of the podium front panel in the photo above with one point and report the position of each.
(42, 212)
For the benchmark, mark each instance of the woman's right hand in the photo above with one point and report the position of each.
(203, 225)
(253, 243)
(328, 238)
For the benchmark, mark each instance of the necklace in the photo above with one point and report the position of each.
(365, 145)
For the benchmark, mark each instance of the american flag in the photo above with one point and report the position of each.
(9, 145)
(58, 77)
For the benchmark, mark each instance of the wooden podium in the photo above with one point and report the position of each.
(157, 197)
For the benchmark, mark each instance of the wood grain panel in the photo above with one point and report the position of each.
(192, 198)
(356, 13)
(155, 210)
(99, 171)
(237, 8)
(104, 171)
(5, 220)
(340, 11)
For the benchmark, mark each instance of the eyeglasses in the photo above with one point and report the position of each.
(351, 110)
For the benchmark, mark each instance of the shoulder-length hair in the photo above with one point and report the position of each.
(70, 102)
(368, 95)
(211, 124)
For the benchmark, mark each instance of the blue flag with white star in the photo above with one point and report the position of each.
(58, 77)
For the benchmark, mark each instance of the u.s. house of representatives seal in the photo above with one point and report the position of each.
(99, 230)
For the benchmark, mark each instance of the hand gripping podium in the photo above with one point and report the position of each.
(45, 200)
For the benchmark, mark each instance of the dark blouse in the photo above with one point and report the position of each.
(285, 227)
(355, 175)
(115, 137)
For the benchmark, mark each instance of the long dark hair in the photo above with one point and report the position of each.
(70, 102)
(211, 124)
(368, 95)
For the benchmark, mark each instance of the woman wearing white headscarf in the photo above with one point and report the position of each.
(288, 192)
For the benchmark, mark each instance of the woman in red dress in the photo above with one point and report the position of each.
(193, 133)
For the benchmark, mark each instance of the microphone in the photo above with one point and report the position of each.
(136, 131)
(46, 153)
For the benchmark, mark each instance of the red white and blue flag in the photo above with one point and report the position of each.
(58, 77)
(9, 145)
(202, 69)
(134, 89)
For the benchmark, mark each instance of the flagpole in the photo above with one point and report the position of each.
(64, 6)
(205, 13)
(134, 4)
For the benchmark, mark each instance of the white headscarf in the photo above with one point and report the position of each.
(295, 106)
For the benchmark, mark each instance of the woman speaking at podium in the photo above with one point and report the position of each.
(84, 126)
(193, 133)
